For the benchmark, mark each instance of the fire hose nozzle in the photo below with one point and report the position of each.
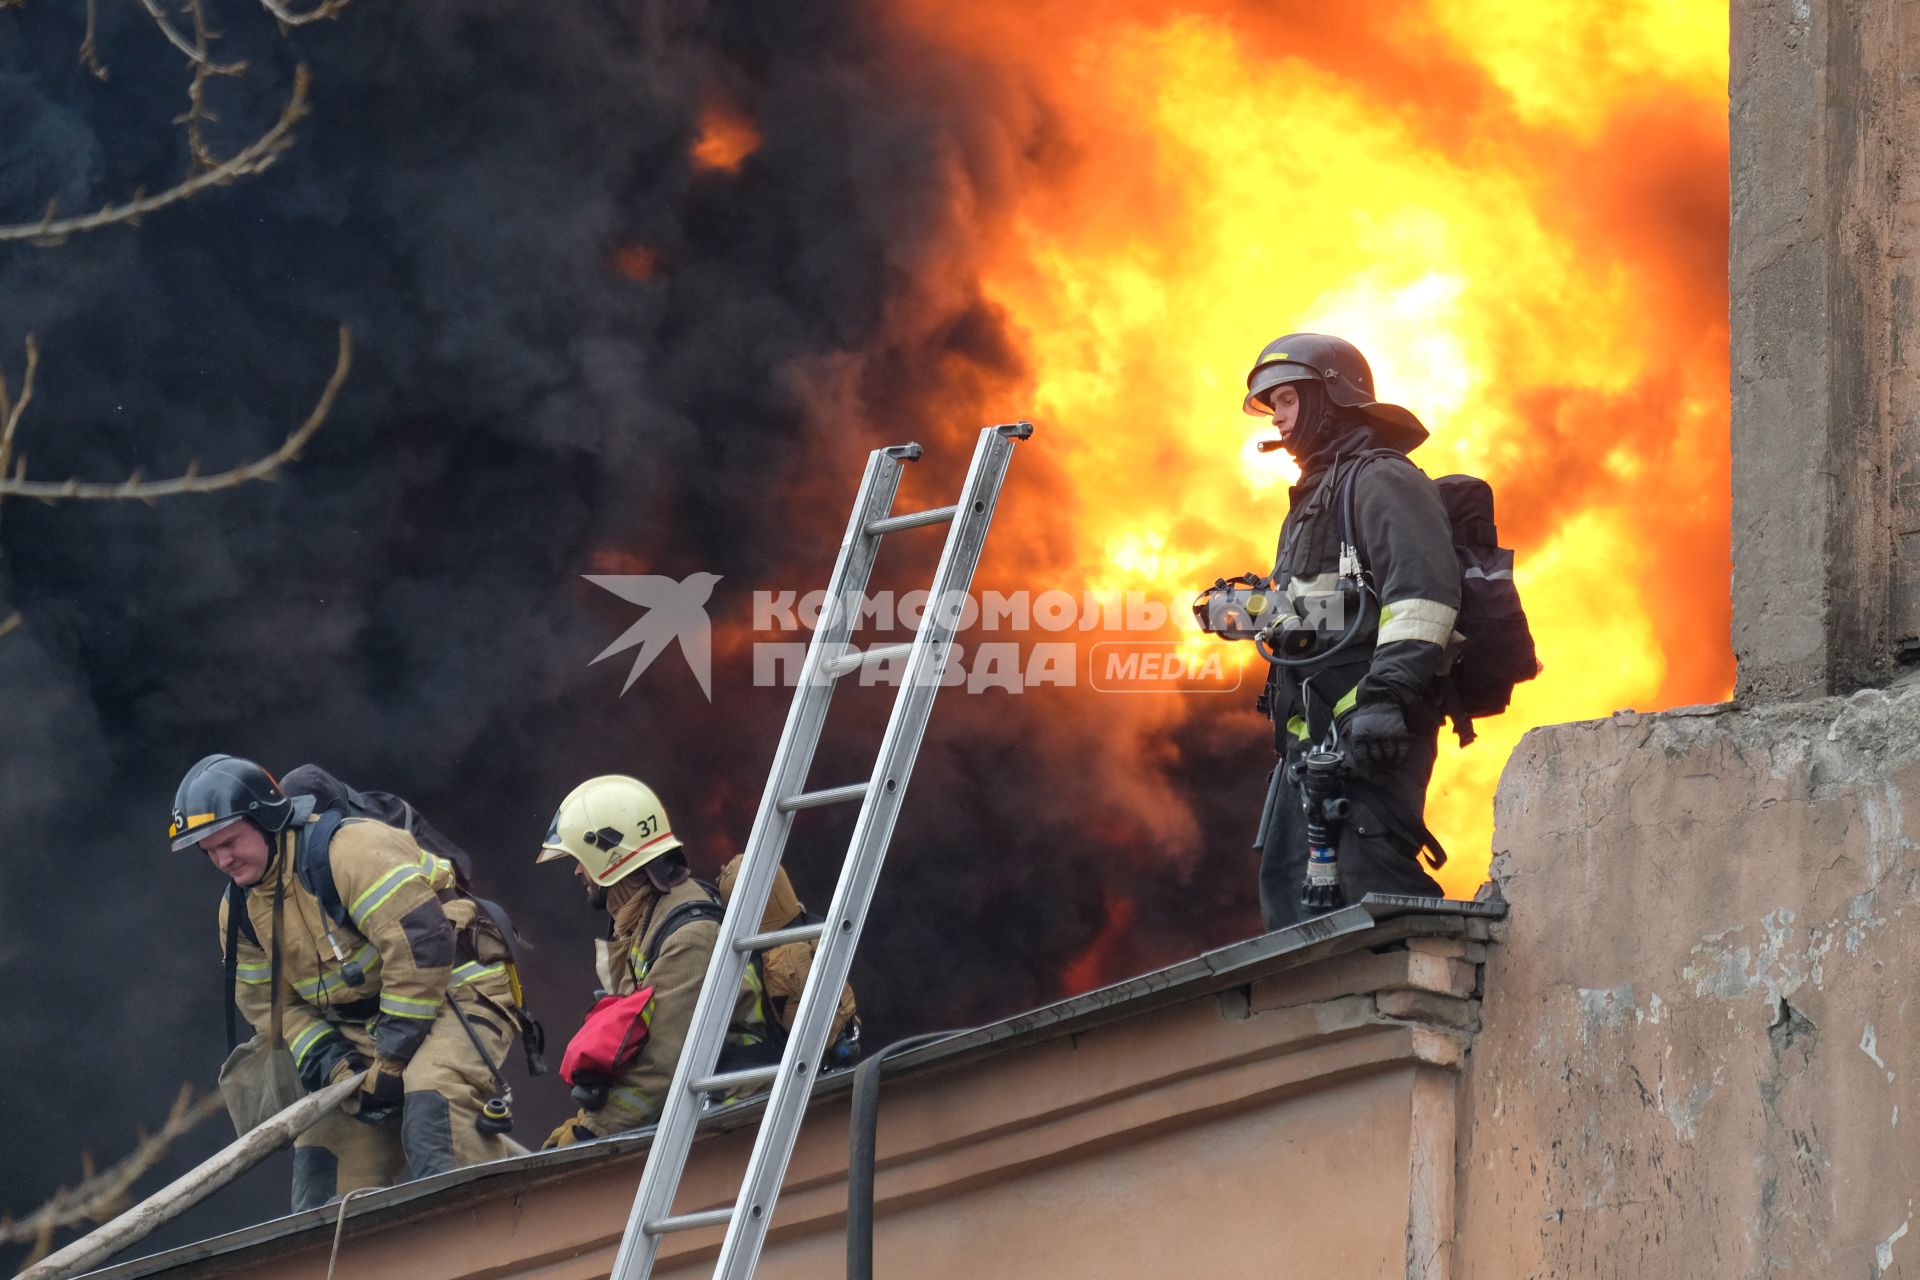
(1326, 810)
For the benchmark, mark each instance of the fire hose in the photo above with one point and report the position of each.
(863, 1125)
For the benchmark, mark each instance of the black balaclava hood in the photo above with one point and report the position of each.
(1310, 425)
(1323, 430)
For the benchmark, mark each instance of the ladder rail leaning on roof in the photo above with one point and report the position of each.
(829, 657)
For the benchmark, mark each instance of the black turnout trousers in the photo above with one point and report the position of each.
(1373, 859)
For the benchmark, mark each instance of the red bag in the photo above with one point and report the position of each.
(610, 1039)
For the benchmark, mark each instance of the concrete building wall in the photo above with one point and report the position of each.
(1825, 258)
(1701, 1052)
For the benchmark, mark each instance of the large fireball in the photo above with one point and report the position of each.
(1518, 212)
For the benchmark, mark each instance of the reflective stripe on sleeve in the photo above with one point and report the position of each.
(383, 888)
(408, 1007)
(1416, 619)
(633, 1102)
(473, 971)
(304, 1043)
(254, 975)
(438, 870)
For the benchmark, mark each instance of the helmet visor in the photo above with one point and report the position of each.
(553, 848)
(1264, 378)
(198, 827)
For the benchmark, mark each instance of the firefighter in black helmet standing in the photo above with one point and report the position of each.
(1360, 642)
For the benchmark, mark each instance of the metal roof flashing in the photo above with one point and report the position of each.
(1378, 921)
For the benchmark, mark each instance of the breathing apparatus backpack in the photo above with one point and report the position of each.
(1497, 652)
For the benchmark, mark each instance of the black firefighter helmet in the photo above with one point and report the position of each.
(1338, 367)
(218, 792)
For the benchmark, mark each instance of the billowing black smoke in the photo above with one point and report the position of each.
(471, 195)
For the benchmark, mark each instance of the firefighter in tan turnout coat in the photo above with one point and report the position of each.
(665, 925)
(380, 958)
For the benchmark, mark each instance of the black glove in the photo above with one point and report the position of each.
(1377, 737)
(321, 1066)
(383, 1094)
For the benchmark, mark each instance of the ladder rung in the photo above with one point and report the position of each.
(691, 1221)
(735, 1081)
(779, 937)
(913, 520)
(816, 799)
(851, 661)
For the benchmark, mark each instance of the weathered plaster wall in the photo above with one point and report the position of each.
(1701, 1043)
(1824, 260)
(1287, 1111)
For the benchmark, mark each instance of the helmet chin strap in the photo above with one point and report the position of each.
(275, 839)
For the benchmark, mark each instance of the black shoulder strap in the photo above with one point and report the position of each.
(236, 912)
(1349, 482)
(684, 914)
(237, 918)
(312, 864)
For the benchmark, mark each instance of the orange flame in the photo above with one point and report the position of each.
(1517, 211)
(637, 262)
(726, 139)
(1098, 962)
(618, 560)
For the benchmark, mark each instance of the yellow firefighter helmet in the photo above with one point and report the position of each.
(611, 825)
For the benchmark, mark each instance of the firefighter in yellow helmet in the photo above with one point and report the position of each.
(665, 925)
(356, 949)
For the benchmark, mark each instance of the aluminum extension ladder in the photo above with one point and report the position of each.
(829, 656)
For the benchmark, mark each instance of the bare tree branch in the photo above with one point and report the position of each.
(135, 489)
(257, 157)
(10, 410)
(89, 57)
(326, 9)
(180, 42)
(204, 69)
(101, 1195)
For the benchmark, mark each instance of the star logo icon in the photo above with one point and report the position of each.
(676, 610)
